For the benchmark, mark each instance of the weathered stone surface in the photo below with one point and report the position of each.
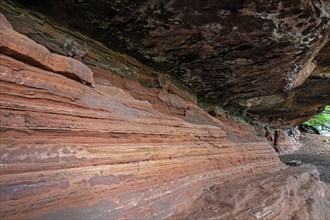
(250, 55)
(23, 48)
(114, 151)
(69, 150)
(295, 193)
(294, 163)
(4, 23)
(284, 143)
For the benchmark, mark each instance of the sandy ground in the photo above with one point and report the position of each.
(314, 150)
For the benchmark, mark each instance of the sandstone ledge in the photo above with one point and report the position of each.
(25, 49)
(116, 151)
(67, 148)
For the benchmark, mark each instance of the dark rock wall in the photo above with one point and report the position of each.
(249, 55)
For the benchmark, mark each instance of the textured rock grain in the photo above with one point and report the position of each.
(114, 151)
(71, 151)
(259, 57)
(23, 48)
(294, 193)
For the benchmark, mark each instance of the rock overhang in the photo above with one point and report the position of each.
(121, 150)
(261, 58)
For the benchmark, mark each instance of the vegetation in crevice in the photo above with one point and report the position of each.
(320, 122)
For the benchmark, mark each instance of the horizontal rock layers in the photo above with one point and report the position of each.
(18, 45)
(262, 58)
(69, 150)
(295, 193)
(107, 147)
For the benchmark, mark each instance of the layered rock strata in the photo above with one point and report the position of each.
(295, 193)
(262, 58)
(69, 150)
(109, 148)
(23, 48)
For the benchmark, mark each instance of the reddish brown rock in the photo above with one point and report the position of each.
(23, 48)
(66, 147)
(4, 23)
(115, 151)
(253, 56)
(295, 193)
(284, 143)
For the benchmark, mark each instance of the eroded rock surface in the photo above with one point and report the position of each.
(286, 142)
(294, 193)
(256, 56)
(117, 150)
(72, 151)
(21, 47)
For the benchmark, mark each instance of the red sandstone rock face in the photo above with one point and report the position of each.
(114, 151)
(285, 144)
(262, 58)
(72, 151)
(295, 193)
(23, 48)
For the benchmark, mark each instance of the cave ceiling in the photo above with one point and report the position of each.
(262, 57)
